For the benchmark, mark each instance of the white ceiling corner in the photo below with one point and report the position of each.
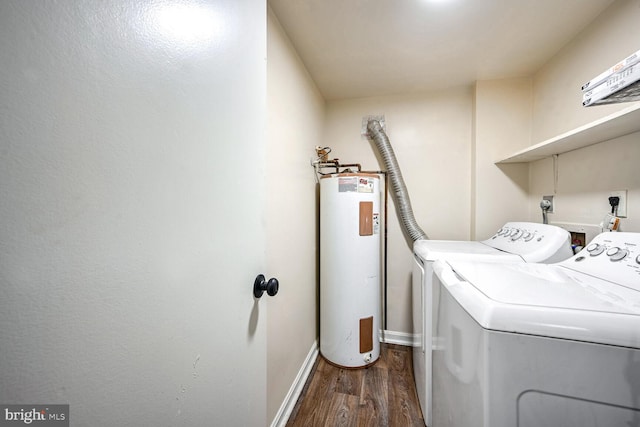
(362, 48)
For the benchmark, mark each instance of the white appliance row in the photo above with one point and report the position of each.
(515, 242)
(517, 344)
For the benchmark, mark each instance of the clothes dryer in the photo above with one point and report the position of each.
(540, 345)
(517, 242)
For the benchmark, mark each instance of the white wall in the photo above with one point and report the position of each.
(447, 148)
(294, 128)
(128, 248)
(105, 172)
(447, 144)
(557, 96)
(430, 134)
(502, 124)
(585, 176)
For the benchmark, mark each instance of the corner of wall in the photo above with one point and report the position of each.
(502, 124)
(473, 187)
(296, 115)
(582, 179)
(557, 95)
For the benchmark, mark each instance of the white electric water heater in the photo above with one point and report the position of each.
(350, 294)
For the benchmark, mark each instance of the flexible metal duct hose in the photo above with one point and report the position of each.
(401, 196)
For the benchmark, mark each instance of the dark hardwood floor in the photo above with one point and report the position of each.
(381, 395)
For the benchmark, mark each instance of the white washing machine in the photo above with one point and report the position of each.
(540, 345)
(514, 242)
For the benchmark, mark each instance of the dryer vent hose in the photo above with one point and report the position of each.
(398, 189)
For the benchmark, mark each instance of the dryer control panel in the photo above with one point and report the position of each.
(610, 256)
(533, 242)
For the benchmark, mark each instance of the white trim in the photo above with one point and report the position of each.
(400, 338)
(281, 418)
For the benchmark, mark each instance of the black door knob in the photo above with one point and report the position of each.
(260, 285)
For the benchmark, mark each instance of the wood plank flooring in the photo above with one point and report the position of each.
(381, 395)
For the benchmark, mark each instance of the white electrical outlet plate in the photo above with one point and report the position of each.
(622, 206)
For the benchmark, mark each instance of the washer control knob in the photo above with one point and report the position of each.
(638, 259)
(516, 235)
(617, 254)
(595, 249)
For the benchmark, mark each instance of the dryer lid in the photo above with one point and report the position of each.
(431, 250)
(544, 300)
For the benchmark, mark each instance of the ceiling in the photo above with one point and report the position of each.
(363, 48)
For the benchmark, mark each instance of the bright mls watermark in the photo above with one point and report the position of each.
(36, 415)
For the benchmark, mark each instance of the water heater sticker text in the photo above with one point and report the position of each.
(365, 185)
(348, 185)
(376, 223)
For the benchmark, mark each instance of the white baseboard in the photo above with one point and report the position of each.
(400, 338)
(281, 418)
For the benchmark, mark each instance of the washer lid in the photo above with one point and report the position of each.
(544, 300)
(431, 250)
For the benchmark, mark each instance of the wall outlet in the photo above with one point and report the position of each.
(622, 206)
(550, 199)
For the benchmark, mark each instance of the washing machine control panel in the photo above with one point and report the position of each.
(532, 241)
(610, 256)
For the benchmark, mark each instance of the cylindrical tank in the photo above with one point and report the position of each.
(350, 294)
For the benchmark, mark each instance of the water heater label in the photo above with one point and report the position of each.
(348, 185)
(365, 185)
(376, 223)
